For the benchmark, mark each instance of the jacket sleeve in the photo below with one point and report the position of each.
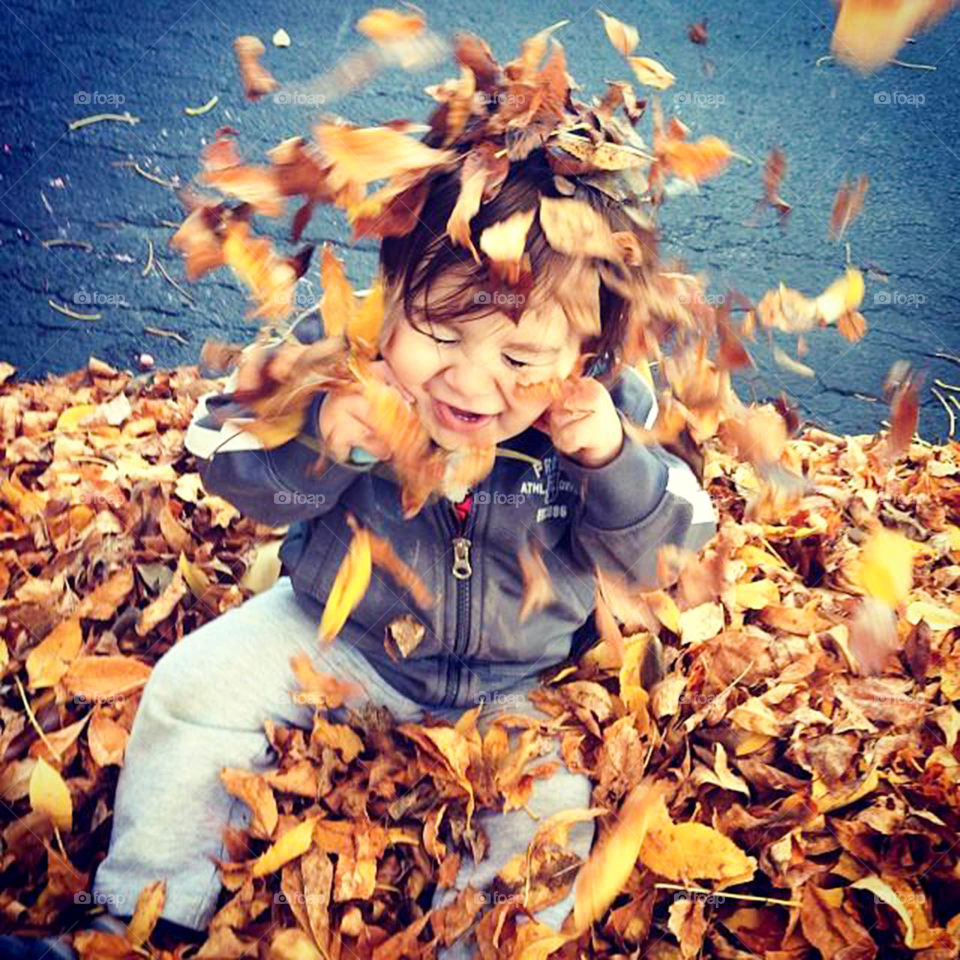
(640, 501)
(276, 487)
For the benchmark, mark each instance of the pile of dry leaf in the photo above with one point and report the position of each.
(789, 786)
(772, 734)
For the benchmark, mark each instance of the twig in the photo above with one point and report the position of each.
(911, 66)
(170, 223)
(732, 896)
(847, 245)
(893, 60)
(60, 242)
(99, 117)
(153, 178)
(952, 422)
(67, 312)
(33, 720)
(947, 386)
(173, 283)
(172, 334)
(945, 356)
(149, 265)
(198, 111)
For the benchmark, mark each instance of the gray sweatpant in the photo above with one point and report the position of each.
(204, 707)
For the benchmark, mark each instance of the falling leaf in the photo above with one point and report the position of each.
(349, 585)
(574, 228)
(503, 243)
(610, 864)
(385, 26)
(256, 79)
(842, 296)
(49, 795)
(885, 569)
(623, 36)
(537, 586)
(867, 34)
(651, 73)
(847, 205)
(698, 161)
(362, 155)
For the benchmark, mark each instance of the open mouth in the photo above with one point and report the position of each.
(458, 419)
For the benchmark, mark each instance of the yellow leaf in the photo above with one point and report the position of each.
(610, 864)
(757, 595)
(842, 296)
(50, 659)
(651, 72)
(147, 912)
(294, 843)
(685, 851)
(937, 617)
(338, 305)
(622, 35)
(885, 569)
(49, 795)
(349, 586)
(293, 944)
(365, 324)
(71, 418)
(503, 242)
(701, 623)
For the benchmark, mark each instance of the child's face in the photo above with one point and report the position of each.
(477, 365)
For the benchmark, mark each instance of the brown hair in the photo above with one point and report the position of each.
(413, 262)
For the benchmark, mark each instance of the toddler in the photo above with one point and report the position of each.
(571, 481)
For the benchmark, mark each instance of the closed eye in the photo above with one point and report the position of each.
(516, 364)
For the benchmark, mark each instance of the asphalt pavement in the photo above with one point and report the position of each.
(756, 83)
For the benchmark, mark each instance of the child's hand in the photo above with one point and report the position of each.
(345, 420)
(583, 423)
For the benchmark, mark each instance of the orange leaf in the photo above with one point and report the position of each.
(362, 155)
(698, 161)
(383, 25)
(257, 80)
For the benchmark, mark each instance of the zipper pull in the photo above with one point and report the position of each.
(461, 558)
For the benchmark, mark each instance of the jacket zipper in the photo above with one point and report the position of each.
(462, 572)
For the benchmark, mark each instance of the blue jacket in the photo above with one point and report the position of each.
(615, 517)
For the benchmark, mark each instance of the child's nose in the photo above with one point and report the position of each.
(470, 382)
